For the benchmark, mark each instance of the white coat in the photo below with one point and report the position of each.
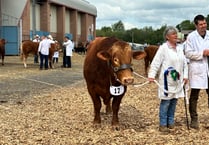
(44, 46)
(198, 66)
(69, 47)
(169, 57)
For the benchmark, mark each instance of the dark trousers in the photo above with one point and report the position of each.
(55, 59)
(66, 61)
(194, 95)
(44, 61)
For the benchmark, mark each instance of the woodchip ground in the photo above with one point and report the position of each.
(53, 107)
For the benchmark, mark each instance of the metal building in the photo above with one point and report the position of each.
(23, 19)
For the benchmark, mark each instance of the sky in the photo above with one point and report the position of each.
(146, 13)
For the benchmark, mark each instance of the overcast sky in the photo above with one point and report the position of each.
(141, 13)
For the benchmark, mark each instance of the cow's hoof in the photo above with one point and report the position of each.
(96, 125)
(116, 128)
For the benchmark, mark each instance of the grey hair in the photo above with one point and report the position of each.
(168, 30)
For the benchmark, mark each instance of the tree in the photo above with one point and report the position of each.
(186, 25)
(118, 27)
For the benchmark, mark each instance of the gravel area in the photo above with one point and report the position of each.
(19, 83)
(53, 107)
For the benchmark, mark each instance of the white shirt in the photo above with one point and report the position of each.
(44, 46)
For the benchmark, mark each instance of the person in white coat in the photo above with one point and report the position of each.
(36, 39)
(67, 52)
(197, 51)
(170, 63)
(43, 51)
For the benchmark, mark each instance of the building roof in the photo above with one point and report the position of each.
(81, 5)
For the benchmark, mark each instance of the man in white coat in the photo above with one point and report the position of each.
(197, 51)
(68, 52)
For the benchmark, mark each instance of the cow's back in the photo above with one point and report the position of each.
(29, 46)
(150, 53)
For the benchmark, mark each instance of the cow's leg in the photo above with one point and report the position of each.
(108, 106)
(115, 108)
(97, 107)
(51, 64)
(24, 61)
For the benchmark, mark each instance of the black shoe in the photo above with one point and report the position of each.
(194, 124)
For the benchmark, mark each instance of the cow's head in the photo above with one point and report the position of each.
(119, 58)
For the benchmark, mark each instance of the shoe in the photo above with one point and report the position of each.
(171, 126)
(194, 124)
(164, 129)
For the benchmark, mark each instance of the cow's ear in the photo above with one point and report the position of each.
(104, 55)
(139, 55)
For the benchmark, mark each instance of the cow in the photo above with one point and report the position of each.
(81, 48)
(30, 47)
(150, 53)
(2, 50)
(107, 71)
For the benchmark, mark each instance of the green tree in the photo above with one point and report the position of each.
(185, 25)
(118, 27)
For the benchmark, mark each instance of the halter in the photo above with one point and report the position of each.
(118, 68)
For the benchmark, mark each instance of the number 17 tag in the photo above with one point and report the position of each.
(117, 90)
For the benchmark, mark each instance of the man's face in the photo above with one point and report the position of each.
(201, 27)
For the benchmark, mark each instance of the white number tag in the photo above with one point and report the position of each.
(116, 90)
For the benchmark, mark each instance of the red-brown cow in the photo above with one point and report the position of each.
(30, 47)
(150, 51)
(107, 71)
(2, 49)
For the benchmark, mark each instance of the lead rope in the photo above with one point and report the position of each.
(169, 92)
(186, 89)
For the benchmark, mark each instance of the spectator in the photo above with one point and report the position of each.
(67, 52)
(56, 56)
(43, 50)
(36, 39)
